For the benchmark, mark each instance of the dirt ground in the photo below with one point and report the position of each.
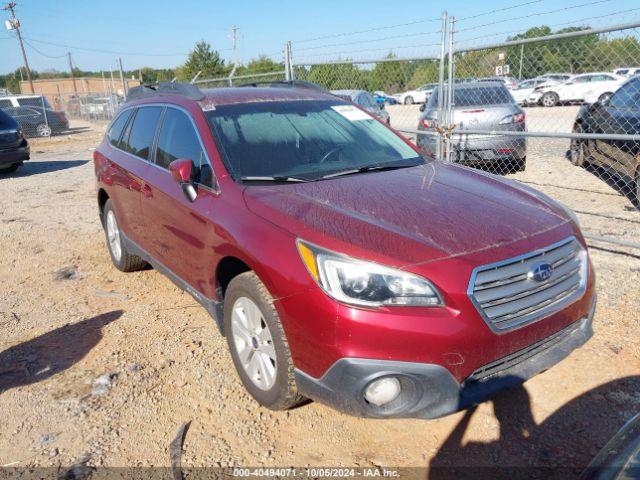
(106, 366)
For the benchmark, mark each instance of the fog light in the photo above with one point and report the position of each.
(382, 391)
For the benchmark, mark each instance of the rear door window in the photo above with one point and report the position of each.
(115, 132)
(5, 103)
(142, 132)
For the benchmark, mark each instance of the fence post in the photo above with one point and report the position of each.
(449, 104)
(288, 62)
(443, 39)
(46, 117)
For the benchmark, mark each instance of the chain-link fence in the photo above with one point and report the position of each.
(560, 112)
(238, 80)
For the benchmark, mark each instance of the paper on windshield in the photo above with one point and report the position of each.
(351, 113)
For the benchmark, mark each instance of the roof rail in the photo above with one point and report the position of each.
(165, 88)
(287, 84)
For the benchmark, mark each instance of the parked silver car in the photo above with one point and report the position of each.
(479, 106)
(364, 100)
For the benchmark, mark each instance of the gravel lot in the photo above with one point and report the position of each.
(104, 365)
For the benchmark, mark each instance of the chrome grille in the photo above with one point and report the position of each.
(507, 295)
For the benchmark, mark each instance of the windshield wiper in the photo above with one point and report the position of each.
(367, 168)
(272, 179)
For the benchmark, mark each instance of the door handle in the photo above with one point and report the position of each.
(146, 191)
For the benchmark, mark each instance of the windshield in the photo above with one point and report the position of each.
(307, 139)
(474, 96)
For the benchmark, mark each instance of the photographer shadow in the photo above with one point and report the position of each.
(559, 447)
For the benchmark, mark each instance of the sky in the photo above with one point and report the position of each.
(159, 33)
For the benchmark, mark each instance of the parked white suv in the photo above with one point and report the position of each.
(419, 95)
(8, 101)
(598, 84)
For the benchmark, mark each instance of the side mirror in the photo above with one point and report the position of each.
(181, 171)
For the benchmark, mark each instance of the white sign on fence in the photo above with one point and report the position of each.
(502, 70)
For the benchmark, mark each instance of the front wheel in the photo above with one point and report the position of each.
(578, 153)
(10, 168)
(408, 100)
(550, 99)
(257, 343)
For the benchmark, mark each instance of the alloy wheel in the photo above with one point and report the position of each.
(43, 130)
(113, 236)
(549, 100)
(254, 343)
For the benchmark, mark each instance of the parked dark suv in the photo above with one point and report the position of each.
(339, 263)
(14, 148)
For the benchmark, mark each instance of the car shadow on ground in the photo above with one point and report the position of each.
(44, 356)
(561, 446)
(31, 167)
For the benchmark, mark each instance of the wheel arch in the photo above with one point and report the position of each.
(103, 196)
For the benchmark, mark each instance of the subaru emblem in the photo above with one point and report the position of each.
(541, 272)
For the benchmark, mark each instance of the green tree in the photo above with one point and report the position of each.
(202, 59)
(336, 77)
(262, 64)
(389, 76)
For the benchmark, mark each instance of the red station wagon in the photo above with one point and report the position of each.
(340, 264)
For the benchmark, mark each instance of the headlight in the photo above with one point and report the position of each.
(570, 213)
(364, 283)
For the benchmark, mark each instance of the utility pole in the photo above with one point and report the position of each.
(15, 23)
(234, 44)
(73, 78)
(124, 85)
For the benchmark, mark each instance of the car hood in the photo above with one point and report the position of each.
(410, 215)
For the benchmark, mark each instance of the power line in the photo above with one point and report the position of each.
(14, 23)
(498, 10)
(368, 41)
(533, 15)
(42, 53)
(74, 47)
(347, 34)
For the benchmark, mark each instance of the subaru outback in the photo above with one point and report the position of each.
(340, 264)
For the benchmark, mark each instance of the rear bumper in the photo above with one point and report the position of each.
(430, 390)
(9, 157)
(479, 148)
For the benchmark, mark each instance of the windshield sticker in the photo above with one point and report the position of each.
(351, 113)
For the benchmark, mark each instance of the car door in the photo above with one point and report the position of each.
(575, 89)
(127, 163)
(621, 116)
(179, 233)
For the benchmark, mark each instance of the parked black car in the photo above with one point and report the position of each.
(14, 148)
(619, 115)
(34, 123)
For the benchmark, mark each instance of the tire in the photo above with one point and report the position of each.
(549, 99)
(604, 97)
(518, 164)
(43, 130)
(10, 168)
(120, 256)
(578, 153)
(409, 100)
(257, 342)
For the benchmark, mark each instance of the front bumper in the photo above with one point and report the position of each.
(14, 155)
(430, 390)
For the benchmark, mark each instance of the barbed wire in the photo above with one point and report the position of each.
(394, 37)
(537, 14)
(511, 7)
(580, 20)
(390, 49)
(376, 29)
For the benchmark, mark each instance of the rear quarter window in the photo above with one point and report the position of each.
(115, 132)
(142, 131)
